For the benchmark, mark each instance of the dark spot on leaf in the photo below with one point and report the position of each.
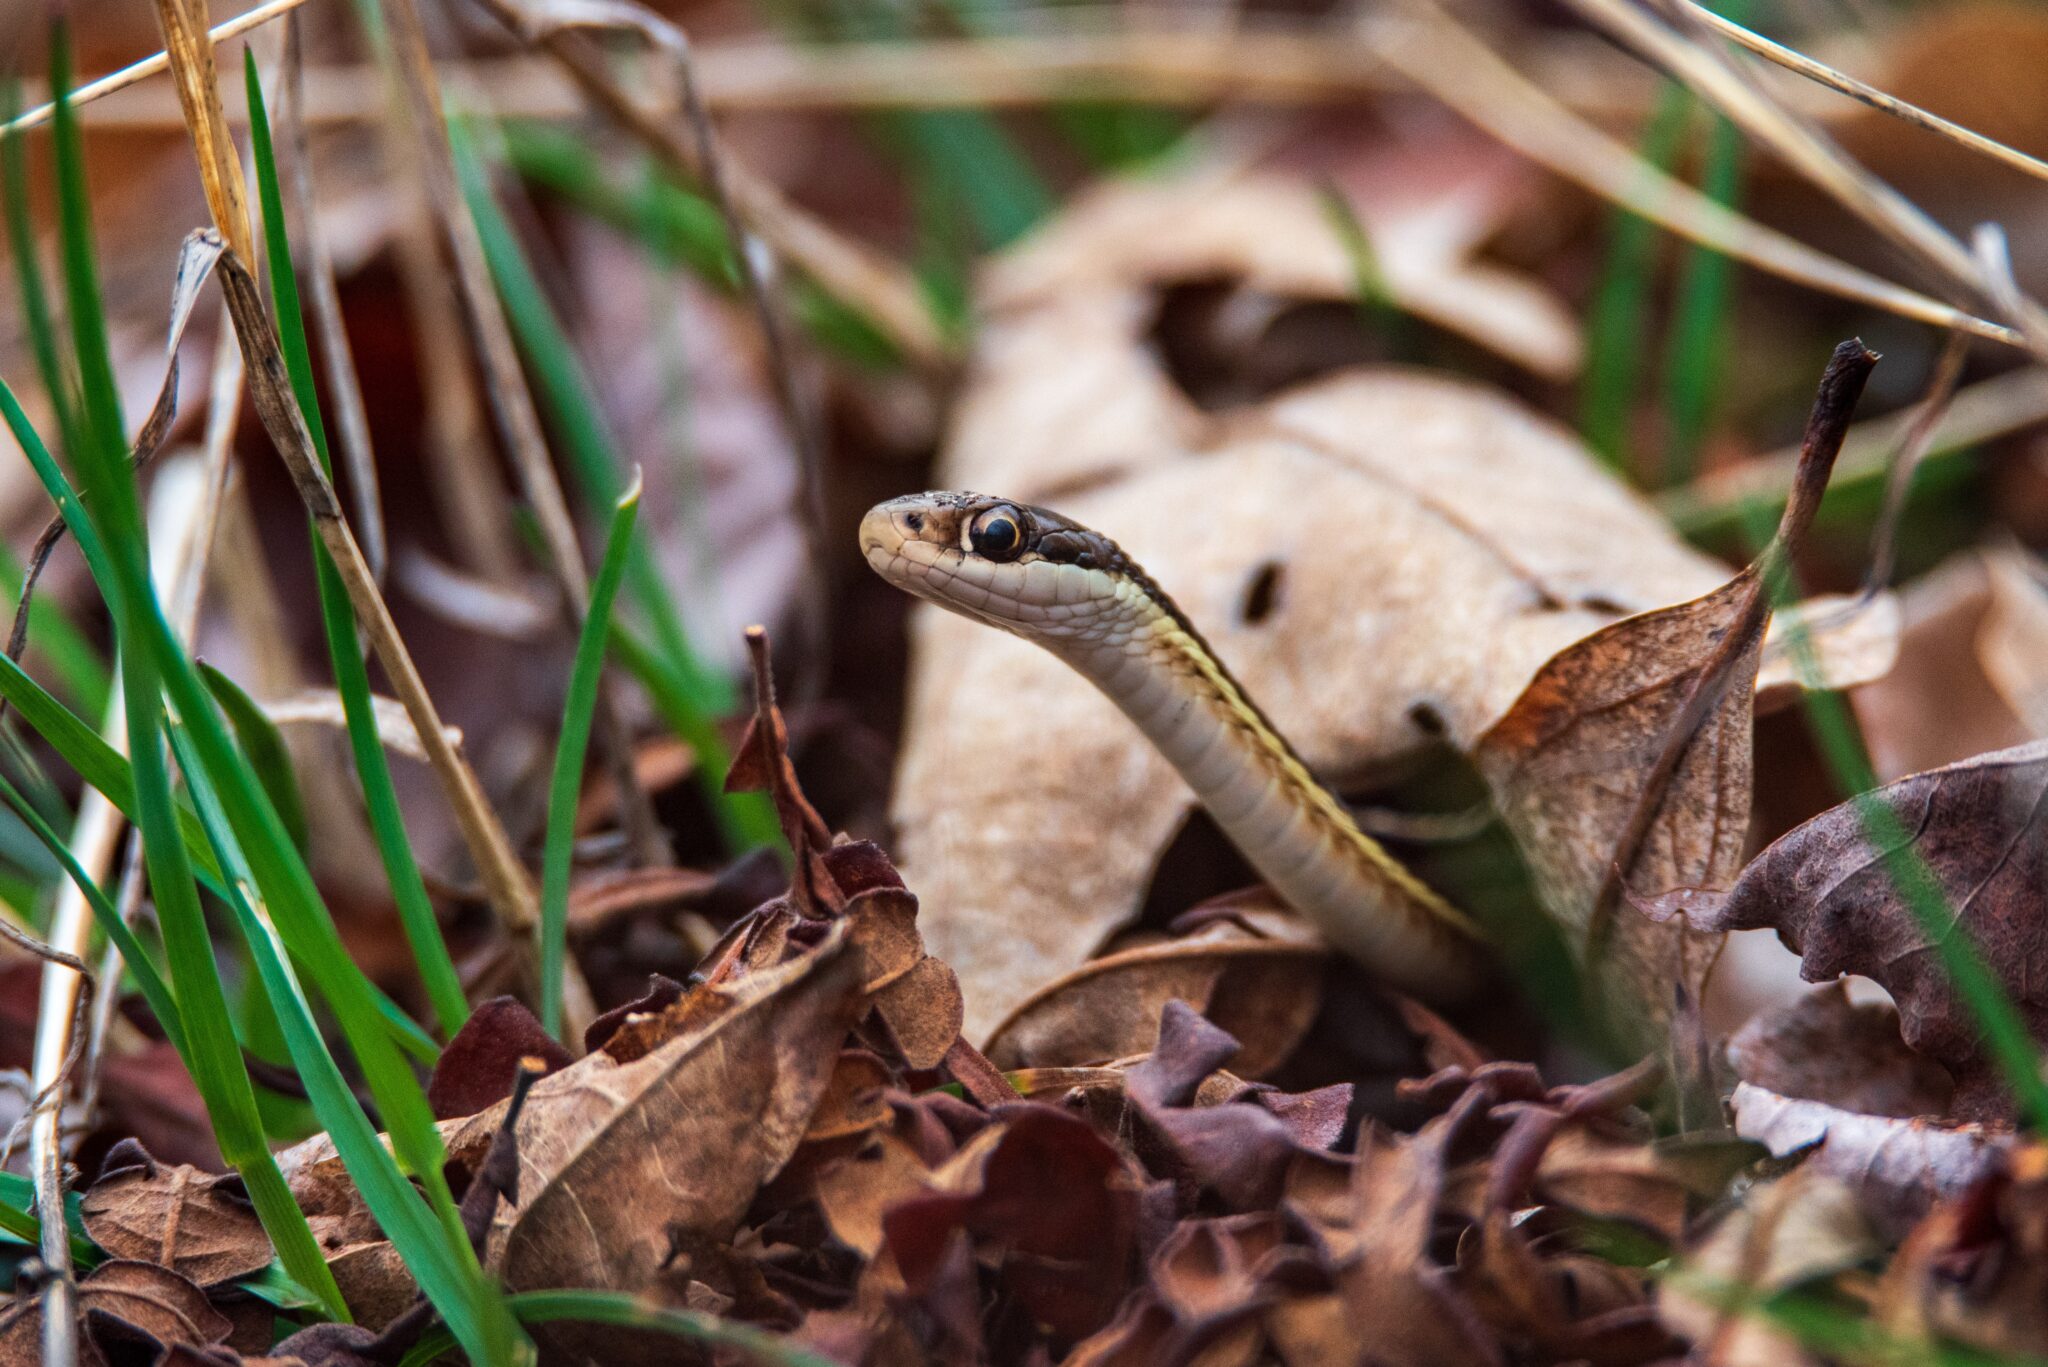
(1262, 594)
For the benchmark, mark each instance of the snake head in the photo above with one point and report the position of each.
(992, 559)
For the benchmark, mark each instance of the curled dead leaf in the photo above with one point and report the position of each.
(1830, 893)
(199, 1225)
(1263, 991)
(1898, 1168)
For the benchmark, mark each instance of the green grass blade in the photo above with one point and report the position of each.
(351, 676)
(155, 990)
(567, 781)
(1615, 323)
(35, 300)
(691, 693)
(76, 660)
(743, 1341)
(572, 408)
(453, 1283)
(18, 1218)
(264, 745)
(214, 1057)
(681, 227)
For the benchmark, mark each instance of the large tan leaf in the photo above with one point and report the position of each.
(1430, 544)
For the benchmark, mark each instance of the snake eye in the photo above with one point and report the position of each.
(995, 535)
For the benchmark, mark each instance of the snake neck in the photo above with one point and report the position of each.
(1164, 675)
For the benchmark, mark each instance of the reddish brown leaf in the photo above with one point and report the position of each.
(480, 1064)
(1823, 1047)
(1626, 761)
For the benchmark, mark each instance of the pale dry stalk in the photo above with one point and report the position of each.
(1842, 82)
(1715, 79)
(61, 1030)
(1445, 60)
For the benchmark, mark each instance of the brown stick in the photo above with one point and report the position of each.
(505, 881)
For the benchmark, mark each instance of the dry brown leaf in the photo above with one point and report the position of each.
(1937, 704)
(619, 1160)
(2012, 644)
(1830, 892)
(1852, 643)
(1261, 990)
(1975, 1272)
(1899, 1168)
(1626, 762)
(1426, 206)
(854, 1193)
(175, 1216)
(136, 1305)
(1823, 1047)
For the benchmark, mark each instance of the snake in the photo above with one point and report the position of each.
(1074, 592)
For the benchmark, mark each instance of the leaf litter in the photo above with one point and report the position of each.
(1019, 1100)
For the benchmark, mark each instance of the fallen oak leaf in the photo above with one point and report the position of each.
(600, 1204)
(1827, 889)
(1261, 990)
(124, 1302)
(1626, 761)
(1049, 1200)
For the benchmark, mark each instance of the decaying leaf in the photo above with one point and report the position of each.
(197, 1224)
(1054, 1202)
(1424, 207)
(1831, 894)
(621, 1160)
(1975, 1271)
(123, 1305)
(1801, 1227)
(1939, 704)
(1626, 761)
(1823, 1047)
(1898, 1168)
(1262, 989)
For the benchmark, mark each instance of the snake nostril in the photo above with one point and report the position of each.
(914, 521)
(1262, 594)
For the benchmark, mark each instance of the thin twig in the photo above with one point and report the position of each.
(1980, 412)
(152, 65)
(505, 881)
(511, 401)
(1445, 60)
(1869, 94)
(1704, 68)
(344, 386)
(1912, 448)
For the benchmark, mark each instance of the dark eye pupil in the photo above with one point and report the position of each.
(997, 536)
